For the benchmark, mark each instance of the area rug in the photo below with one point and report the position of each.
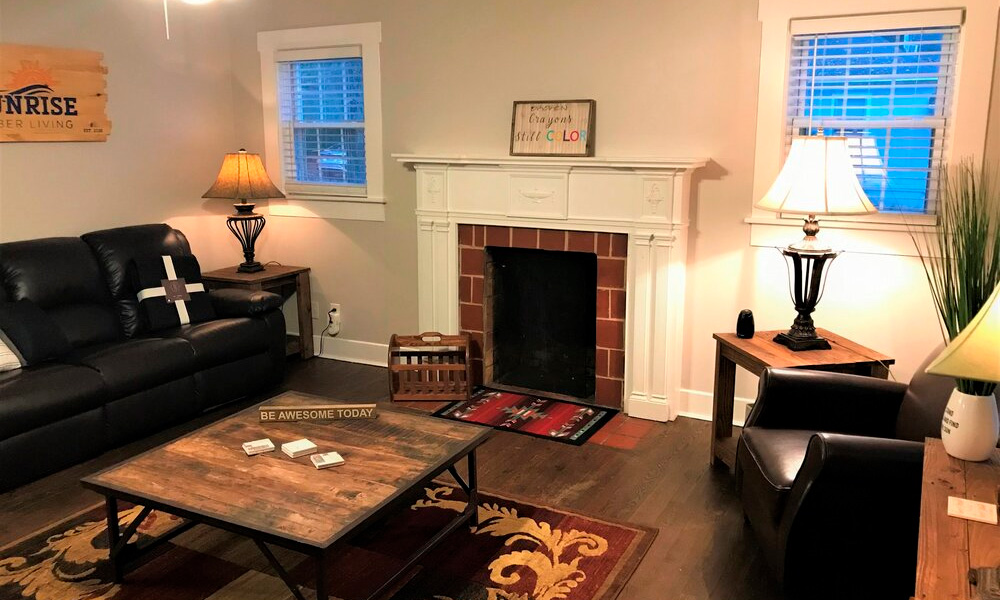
(559, 420)
(521, 551)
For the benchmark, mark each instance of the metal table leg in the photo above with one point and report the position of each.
(111, 505)
(321, 592)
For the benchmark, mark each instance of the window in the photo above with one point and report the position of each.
(889, 91)
(321, 92)
(322, 112)
(802, 33)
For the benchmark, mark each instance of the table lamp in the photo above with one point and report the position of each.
(971, 425)
(817, 178)
(242, 177)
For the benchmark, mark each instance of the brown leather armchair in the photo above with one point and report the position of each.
(829, 468)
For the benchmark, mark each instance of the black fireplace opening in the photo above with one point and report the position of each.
(541, 311)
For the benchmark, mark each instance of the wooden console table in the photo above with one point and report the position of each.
(756, 353)
(949, 546)
(283, 280)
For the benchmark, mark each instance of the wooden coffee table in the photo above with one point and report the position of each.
(206, 477)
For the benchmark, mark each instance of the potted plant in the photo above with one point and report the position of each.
(962, 261)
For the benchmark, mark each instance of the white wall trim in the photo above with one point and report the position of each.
(369, 37)
(699, 406)
(356, 351)
(353, 210)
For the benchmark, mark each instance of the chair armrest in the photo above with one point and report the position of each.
(854, 509)
(823, 401)
(235, 302)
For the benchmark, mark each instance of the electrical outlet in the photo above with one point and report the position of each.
(334, 317)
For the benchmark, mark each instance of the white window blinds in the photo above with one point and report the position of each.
(322, 121)
(889, 91)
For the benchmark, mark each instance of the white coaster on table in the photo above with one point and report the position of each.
(984, 512)
(327, 459)
(298, 448)
(258, 447)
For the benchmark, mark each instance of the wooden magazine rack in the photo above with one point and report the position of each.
(429, 367)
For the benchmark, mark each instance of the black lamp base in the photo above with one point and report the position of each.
(250, 267)
(246, 225)
(802, 343)
(807, 269)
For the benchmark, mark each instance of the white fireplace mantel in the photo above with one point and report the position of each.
(646, 198)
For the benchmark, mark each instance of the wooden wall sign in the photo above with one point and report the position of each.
(317, 412)
(553, 128)
(52, 95)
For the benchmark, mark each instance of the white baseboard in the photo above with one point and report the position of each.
(699, 406)
(641, 406)
(356, 351)
(698, 403)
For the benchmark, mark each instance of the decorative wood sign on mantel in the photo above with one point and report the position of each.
(52, 95)
(553, 128)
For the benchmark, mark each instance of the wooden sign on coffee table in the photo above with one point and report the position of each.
(275, 413)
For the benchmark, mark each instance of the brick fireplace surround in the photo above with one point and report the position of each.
(611, 250)
(614, 207)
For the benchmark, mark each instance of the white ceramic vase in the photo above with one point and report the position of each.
(971, 426)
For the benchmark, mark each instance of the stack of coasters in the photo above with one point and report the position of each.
(258, 447)
(327, 459)
(298, 448)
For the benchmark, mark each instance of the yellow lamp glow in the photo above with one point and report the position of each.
(242, 177)
(975, 351)
(818, 178)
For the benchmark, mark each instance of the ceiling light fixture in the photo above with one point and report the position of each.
(166, 15)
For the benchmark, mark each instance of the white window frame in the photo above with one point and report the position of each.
(881, 233)
(282, 44)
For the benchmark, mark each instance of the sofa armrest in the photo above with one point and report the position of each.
(235, 302)
(854, 509)
(823, 401)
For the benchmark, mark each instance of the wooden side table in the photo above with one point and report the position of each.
(948, 546)
(283, 280)
(760, 351)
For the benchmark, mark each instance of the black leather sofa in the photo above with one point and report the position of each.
(829, 468)
(117, 383)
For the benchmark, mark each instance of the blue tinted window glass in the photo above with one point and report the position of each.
(325, 105)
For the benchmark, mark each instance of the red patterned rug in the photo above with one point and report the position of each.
(559, 420)
(521, 551)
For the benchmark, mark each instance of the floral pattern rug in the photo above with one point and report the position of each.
(520, 551)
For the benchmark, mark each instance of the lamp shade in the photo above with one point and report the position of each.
(818, 178)
(243, 177)
(975, 351)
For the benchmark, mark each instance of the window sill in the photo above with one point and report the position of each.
(350, 208)
(888, 238)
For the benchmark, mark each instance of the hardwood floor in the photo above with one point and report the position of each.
(703, 549)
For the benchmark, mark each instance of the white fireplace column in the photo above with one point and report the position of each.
(648, 199)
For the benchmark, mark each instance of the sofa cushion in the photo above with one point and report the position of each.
(62, 276)
(37, 396)
(87, 324)
(222, 340)
(30, 334)
(771, 459)
(132, 365)
(169, 291)
(116, 248)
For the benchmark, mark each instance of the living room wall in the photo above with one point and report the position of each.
(170, 104)
(671, 78)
